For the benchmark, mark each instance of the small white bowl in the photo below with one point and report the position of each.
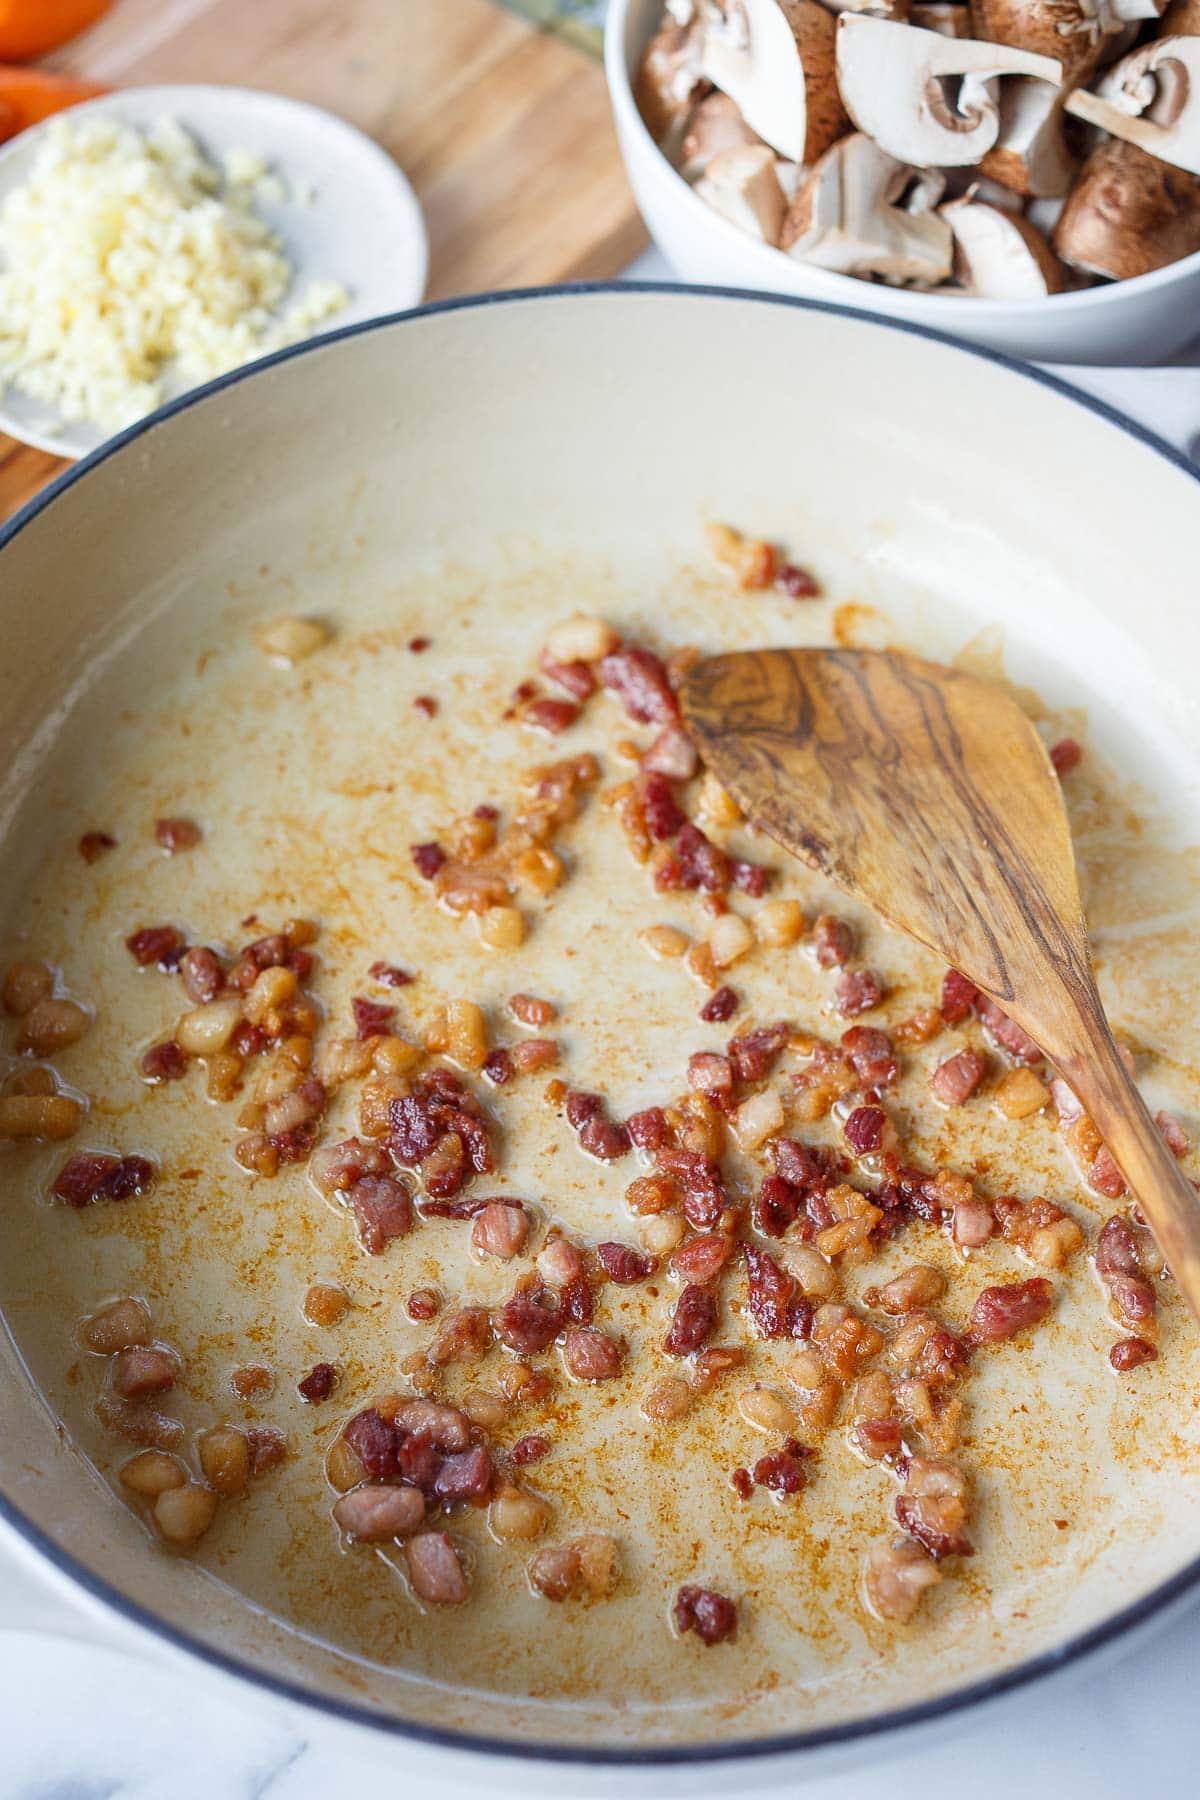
(1139, 321)
(350, 215)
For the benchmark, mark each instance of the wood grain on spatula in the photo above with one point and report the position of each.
(928, 794)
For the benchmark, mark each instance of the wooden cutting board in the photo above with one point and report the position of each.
(504, 131)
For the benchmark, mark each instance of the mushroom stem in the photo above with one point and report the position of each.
(1151, 99)
(1031, 155)
(860, 212)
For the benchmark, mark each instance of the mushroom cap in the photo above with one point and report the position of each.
(1031, 155)
(715, 125)
(776, 59)
(1151, 98)
(741, 184)
(952, 18)
(894, 79)
(1128, 213)
(999, 255)
(845, 216)
(1074, 31)
(667, 78)
(1182, 19)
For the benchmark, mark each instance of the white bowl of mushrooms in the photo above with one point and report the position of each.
(1024, 173)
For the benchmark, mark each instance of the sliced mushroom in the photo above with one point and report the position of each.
(743, 187)
(1182, 19)
(775, 59)
(942, 16)
(849, 216)
(1151, 99)
(1077, 32)
(896, 82)
(1128, 213)
(879, 9)
(999, 255)
(714, 126)
(1031, 155)
(666, 83)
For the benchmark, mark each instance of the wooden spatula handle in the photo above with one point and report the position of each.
(1168, 1200)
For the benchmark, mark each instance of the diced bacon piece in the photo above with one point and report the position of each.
(933, 1508)
(625, 1265)
(1103, 1176)
(1065, 755)
(639, 680)
(1173, 1134)
(648, 1128)
(958, 997)
(1131, 1353)
(672, 754)
(576, 677)
(833, 941)
(318, 1384)
(1000, 1312)
(201, 974)
(336, 1167)
(972, 1224)
(954, 1081)
(164, 1062)
(383, 1210)
(371, 1019)
(591, 1355)
(372, 1515)
(161, 944)
(530, 1319)
(702, 864)
(1066, 1104)
(389, 975)
(692, 1323)
(719, 1006)
(710, 1073)
(857, 991)
(754, 1054)
(549, 715)
(897, 1577)
(712, 1616)
(462, 1335)
(428, 859)
(700, 1259)
(501, 1229)
(659, 807)
(91, 1175)
(529, 1449)
(796, 583)
(435, 1569)
(1120, 1268)
(95, 844)
(464, 1476)
(1007, 1033)
(866, 1130)
(776, 1306)
(872, 1054)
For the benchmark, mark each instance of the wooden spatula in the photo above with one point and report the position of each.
(928, 794)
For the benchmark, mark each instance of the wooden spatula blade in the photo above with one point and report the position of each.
(922, 789)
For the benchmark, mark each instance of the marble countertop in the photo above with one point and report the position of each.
(88, 1713)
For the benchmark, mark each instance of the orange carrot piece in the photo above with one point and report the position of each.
(29, 95)
(30, 28)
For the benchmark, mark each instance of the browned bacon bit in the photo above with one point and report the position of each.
(1172, 1133)
(1006, 1032)
(173, 835)
(933, 1507)
(201, 974)
(95, 844)
(534, 1054)
(498, 1067)
(600, 1136)
(709, 1073)
(742, 1483)
(531, 1318)
(90, 1175)
(1000, 1312)
(625, 1265)
(754, 1054)
(428, 859)
(648, 1128)
(879, 1439)
(1130, 1353)
(501, 1229)
(710, 1615)
(872, 1054)
(418, 644)
(857, 991)
(529, 1449)
(370, 1018)
(591, 1355)
(719, 1006)
(833, 941)
(639, 680)
(864, 1129)
(702, 865)
(549, 715)
(423, 1304)
(248, 1039)
(164, 1062)
(267, 1448)
(467, 1475)
(383, 1210)
(318, 1384)
(700, 1259)
(672, 754)
(692, 1323)
(782, 1471)
(441, 1126)
(463, 1335)
(577, 1300)
(659, 808)
(797, 583)
(776, 1306)
(955, 1080)
(426, 704)
(389, 975)
(750, 878)
(528, 1009)
(958, 997)
(1120, 1268)
(1066, 755)
(160, 944)
(578, 678)
(896, 1577)
(336, 1167)
(777, 1207)
(704, 1194)
(1103, 1176)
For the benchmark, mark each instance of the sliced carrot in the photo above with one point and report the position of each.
(30, 28)
(30, 95)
